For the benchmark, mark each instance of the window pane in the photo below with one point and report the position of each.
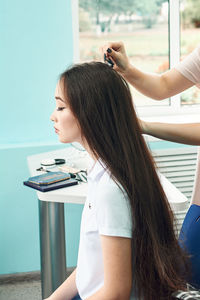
(141, 24)
(190, 32)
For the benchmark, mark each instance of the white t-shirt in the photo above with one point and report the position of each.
(190, 68)
(106, 212)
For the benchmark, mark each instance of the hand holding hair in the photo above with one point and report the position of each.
(115, 51)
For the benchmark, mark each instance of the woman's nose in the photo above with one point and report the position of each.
(52, 117)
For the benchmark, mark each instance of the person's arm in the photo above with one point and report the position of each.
(155, 86)
(180, 133)
(117, 261)
(67, 290)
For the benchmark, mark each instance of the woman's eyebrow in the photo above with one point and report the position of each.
(58, 98)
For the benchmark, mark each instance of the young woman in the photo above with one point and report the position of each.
(174, 81)
(128, 248)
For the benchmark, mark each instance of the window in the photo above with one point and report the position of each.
(190, 32)
(150, 30)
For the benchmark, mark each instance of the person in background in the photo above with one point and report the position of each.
(128, 248)
(159, 87)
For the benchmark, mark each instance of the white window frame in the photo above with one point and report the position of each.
(175, 108)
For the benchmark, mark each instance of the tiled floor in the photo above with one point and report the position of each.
(26, 290)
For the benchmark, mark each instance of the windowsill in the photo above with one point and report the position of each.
(187, 118)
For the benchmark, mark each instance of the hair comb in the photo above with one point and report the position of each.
(108, 61)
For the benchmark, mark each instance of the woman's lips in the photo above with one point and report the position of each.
(56, 130)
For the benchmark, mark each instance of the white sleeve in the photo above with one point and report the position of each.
(190, 66)
(113, 212)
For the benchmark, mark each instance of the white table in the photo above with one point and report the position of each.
(51, 215)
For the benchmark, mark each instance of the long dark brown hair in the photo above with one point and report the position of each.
(101, 101)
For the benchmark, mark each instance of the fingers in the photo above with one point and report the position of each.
(116, 46)
(114, 55)
(110, 52)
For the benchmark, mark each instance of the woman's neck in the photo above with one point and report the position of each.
(89, 151)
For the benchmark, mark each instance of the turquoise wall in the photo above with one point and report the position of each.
(36, 46)
(19, 228)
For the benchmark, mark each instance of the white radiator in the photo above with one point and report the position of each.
(178, 165)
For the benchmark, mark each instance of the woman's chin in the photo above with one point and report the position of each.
(65, 141)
